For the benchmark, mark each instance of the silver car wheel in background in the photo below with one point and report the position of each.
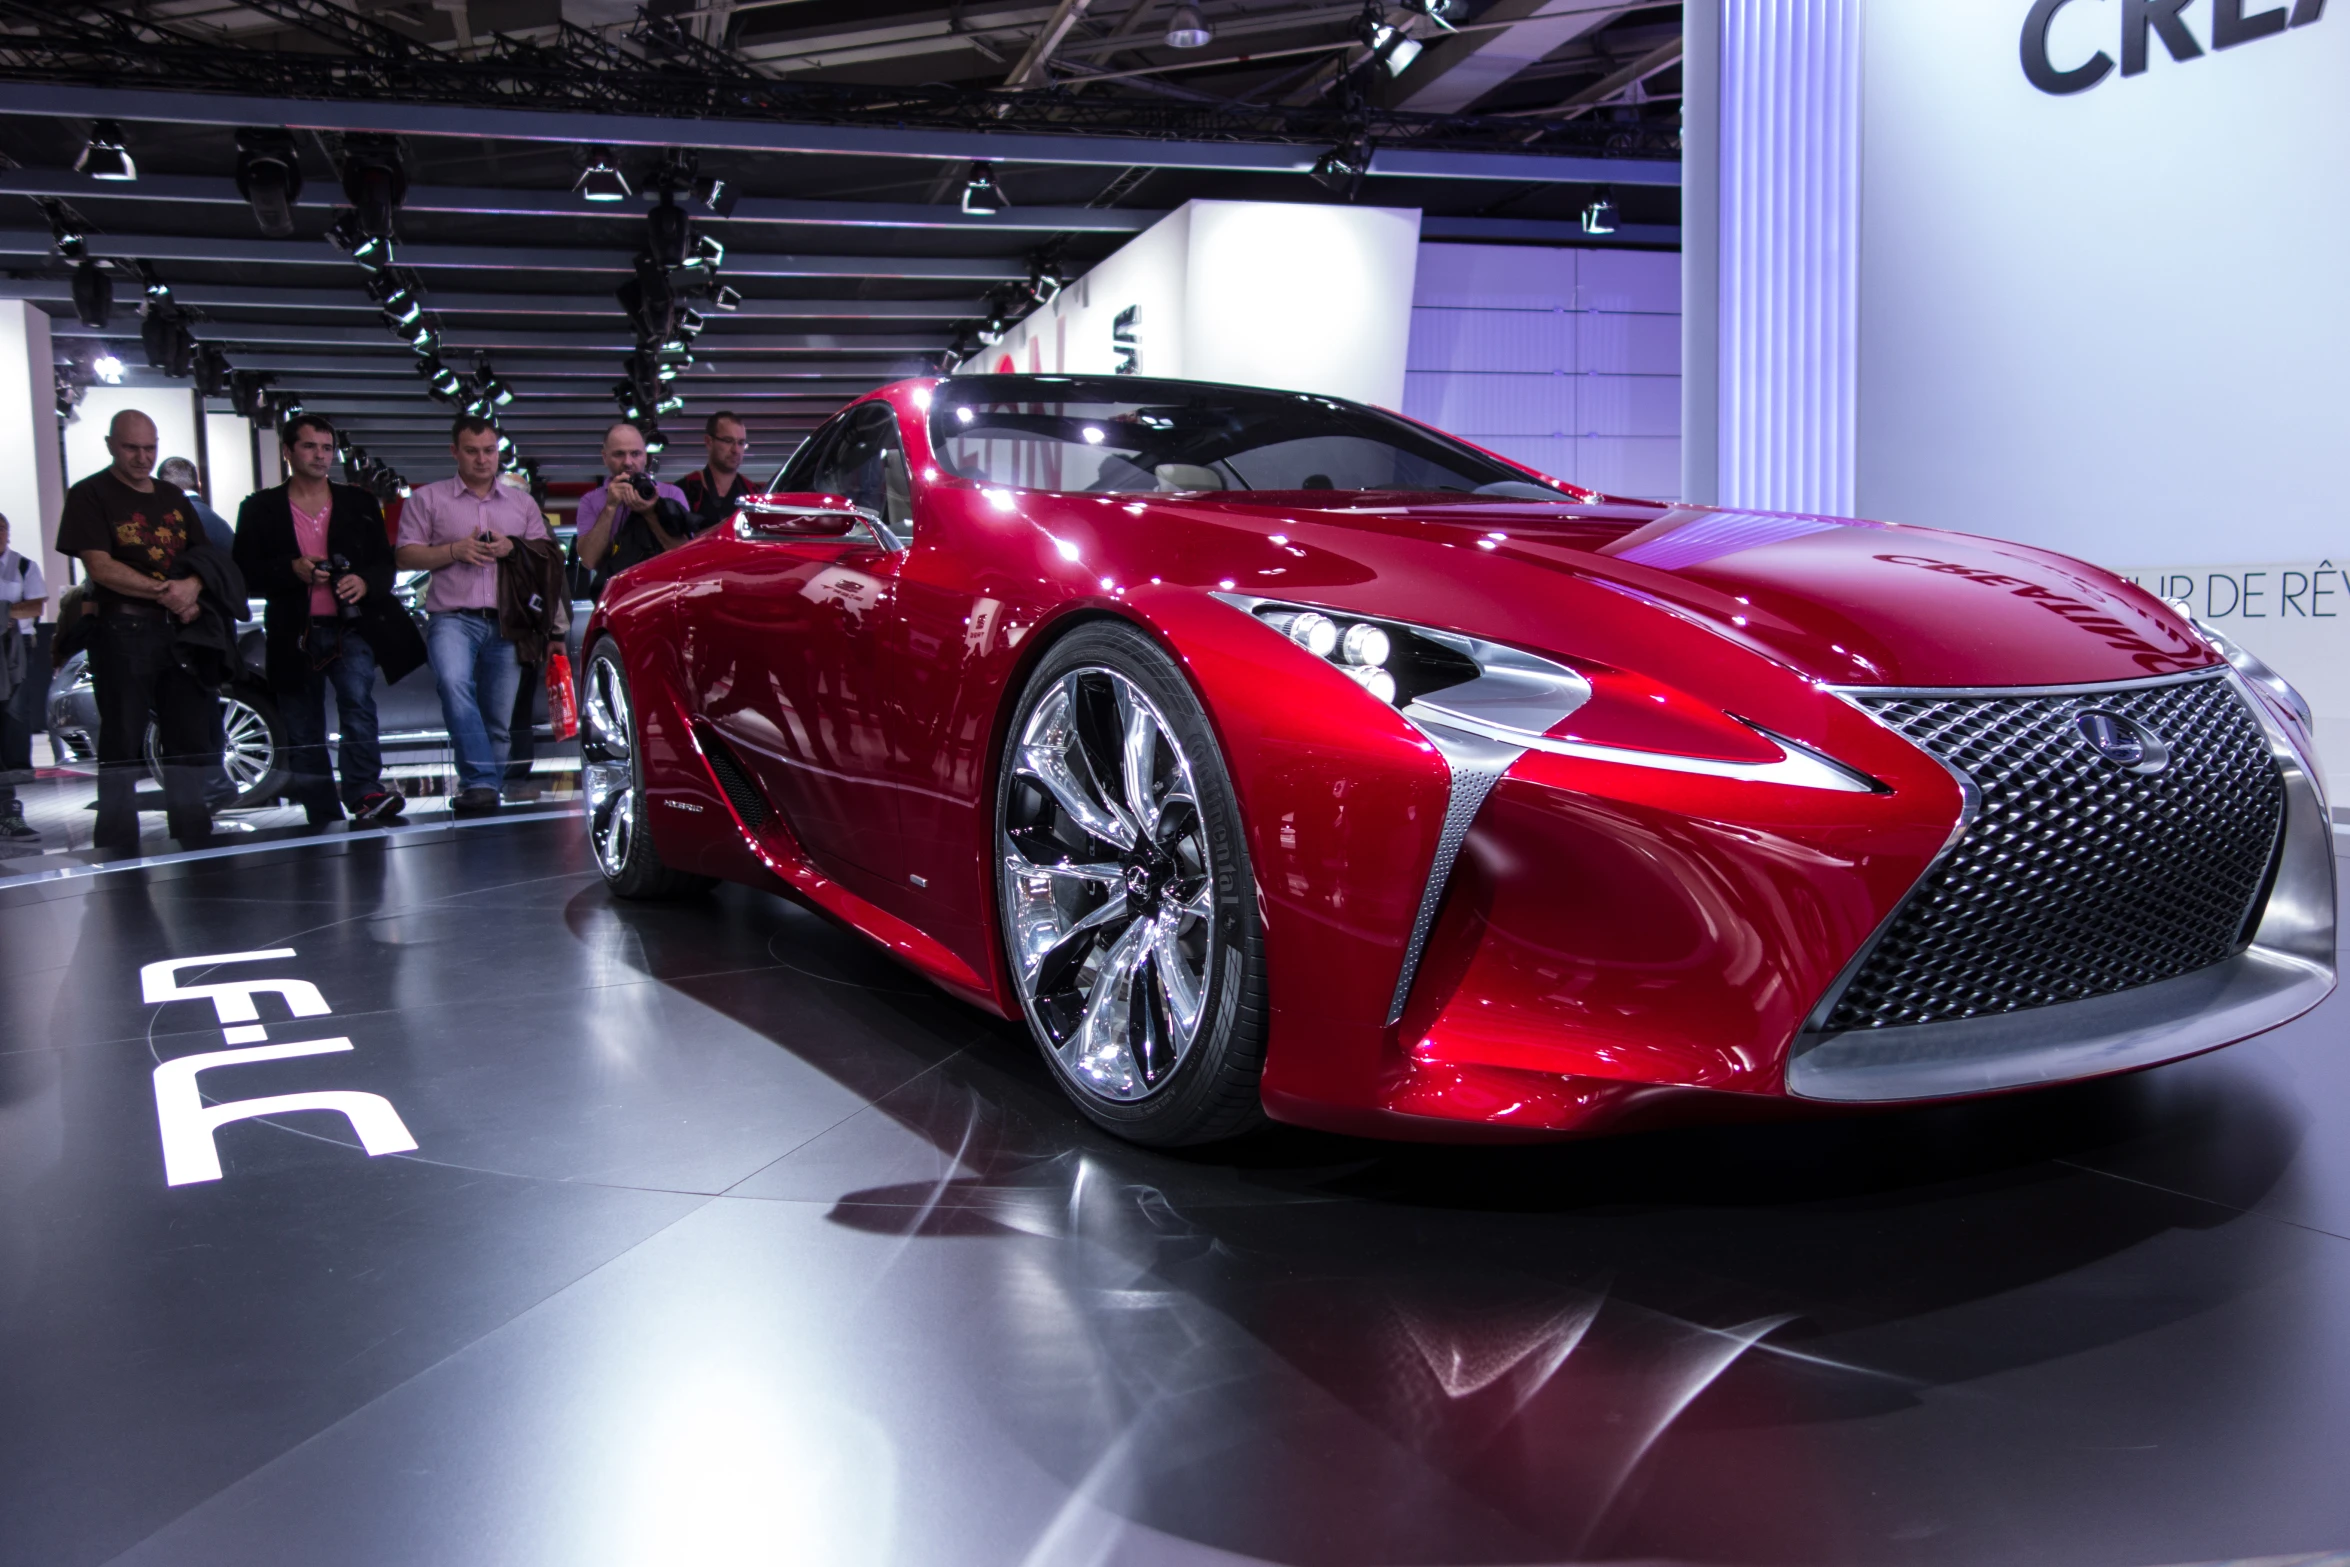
(248, 752)
(1107, 885)
(607, 764)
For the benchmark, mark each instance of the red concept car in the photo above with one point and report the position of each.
(1272, 755)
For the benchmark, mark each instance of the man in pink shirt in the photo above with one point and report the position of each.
(459, 529)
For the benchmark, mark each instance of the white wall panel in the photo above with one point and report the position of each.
(32, 485)
(1566, 360)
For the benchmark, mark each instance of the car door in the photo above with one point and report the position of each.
(784, 655)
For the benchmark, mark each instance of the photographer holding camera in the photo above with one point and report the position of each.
(319, 553)
(630, 517)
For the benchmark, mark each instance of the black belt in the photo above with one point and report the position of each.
(486, 614)
(135, 609)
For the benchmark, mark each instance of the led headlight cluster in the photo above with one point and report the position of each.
(1360, 648)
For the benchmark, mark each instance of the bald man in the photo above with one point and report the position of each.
(128, 529)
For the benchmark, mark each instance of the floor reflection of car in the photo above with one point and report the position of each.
(408, 713)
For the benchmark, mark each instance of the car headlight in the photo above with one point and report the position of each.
(1450, 686)
(2276, 686)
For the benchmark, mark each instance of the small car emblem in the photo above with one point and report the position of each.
(2123, 742)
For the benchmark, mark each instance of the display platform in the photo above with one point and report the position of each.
(722, 1239)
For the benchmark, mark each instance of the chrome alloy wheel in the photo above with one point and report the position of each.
(248, 753)
(608, 764)
(1107, 885)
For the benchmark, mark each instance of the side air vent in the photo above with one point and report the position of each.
(734, 778)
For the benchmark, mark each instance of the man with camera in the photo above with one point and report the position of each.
(631, 516)
(715, 491)
(319, 554)
(459, 529)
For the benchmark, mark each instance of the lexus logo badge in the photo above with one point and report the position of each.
(2123, 742)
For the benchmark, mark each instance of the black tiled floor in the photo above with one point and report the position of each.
(727, 1241)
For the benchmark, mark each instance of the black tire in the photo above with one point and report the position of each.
(612, 776)
(255, 753)
(1137, 955)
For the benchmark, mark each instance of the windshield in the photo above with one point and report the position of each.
(1121, 435)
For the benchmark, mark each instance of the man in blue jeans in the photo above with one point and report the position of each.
(459, 529)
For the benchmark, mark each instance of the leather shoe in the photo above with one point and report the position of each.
(475, 802)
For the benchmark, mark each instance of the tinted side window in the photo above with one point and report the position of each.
(867, 463)
(798, 475)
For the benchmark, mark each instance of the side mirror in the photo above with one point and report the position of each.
(800, 516)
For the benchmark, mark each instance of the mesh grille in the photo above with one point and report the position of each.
(727, 768)
(2077, 877)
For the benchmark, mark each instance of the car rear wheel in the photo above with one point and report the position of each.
(253, 749)
(1129, 908)
(613, 775)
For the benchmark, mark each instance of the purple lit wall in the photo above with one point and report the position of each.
(1785, 164)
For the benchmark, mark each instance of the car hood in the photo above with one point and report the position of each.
(1842, 601)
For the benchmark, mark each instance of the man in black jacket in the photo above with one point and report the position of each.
(327, 629)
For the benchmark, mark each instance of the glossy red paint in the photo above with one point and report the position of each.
(1616, 940)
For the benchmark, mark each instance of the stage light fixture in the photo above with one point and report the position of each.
(1045, 280)
(723, 297)
(179, 355)
(1394, 48)
(690, 323)
(269, 177)
(1343, 167)
(212, 372)
(103, 157)
(655, 442)
(93, 294)
(65, 234)
(155, 336)
(708, 253)
(667, 231)
(1187, 29)
(982, 196)
(1437, 11)
(374, 182)
(716, 196)
(397, 296)
(602, 180)
(484, 377)
(250, 393)
(1600, 216)
(421, 339)
(107, 368)
(348, 234)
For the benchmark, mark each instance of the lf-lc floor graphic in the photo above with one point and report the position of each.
(187, 1124)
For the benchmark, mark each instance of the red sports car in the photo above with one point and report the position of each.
(1275, 756)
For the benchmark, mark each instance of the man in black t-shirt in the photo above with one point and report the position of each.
(128, 529)
(715, 491)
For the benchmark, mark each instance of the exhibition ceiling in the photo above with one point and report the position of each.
(867, 190)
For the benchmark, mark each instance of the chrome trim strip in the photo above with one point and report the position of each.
(1477, 764)
(1854, 693)
(1798, 766)
(2288, 968)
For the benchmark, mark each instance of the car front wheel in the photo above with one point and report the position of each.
(1129, 908)
(252, 753)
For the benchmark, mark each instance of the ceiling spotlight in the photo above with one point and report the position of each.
(497, 391)
(373, 182)
(1046, 280)
(690, 323)
(93, 294)
(716, 196)
(211, 371)
(1600, 216)
(723, 296)
(179, 354)
(708, 253)
(103, 157)
(655, 441)
(65, 233)
(249, 392)
(982, 196)
(107, 368)
(269, 176)
(1437, 11)
(602, 180)
(155, 335)
(1394, 48)
(1342, 168)
(667, 230)
(1187, 29)
(421, 339)
(348, 234)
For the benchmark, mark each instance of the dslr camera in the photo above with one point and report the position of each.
(337, 568)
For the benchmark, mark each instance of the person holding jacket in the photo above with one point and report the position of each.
(129, 530)
(319, 553)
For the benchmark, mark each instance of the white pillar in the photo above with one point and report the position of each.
(1779, 152)
(32, 481)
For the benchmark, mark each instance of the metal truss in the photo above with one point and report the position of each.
(661, 71)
